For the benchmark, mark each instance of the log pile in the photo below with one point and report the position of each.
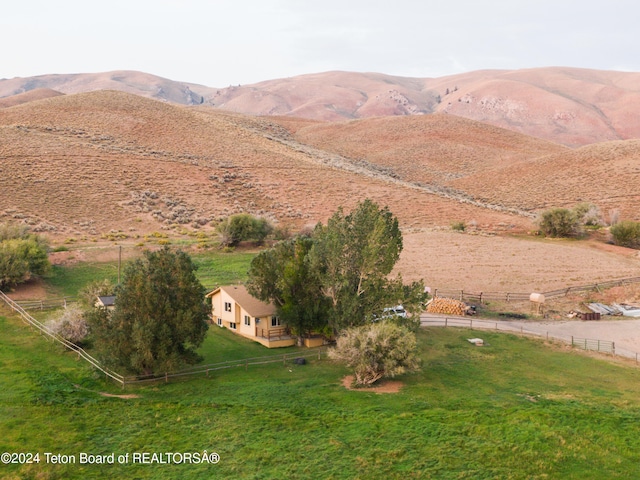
(446, 306)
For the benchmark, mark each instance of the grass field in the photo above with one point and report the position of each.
(513, 409)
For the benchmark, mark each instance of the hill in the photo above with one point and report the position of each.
(570, 106)
(89, 163)
(28, 96)
(564, 105)
(139, 83)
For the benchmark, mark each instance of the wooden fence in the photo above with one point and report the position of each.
(46, 304)
(28, 319)
(480, 297)
(245, 362)
(129, 380)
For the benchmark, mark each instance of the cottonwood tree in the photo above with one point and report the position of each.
(284, 276)
(377, 350)
(353, 256)
(159, 318)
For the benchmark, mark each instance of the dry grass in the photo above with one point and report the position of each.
(89, 163)
(110, 165)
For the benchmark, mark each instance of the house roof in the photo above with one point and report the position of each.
(253, 306)
(108, 300)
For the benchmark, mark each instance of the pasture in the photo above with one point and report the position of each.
(513, 409)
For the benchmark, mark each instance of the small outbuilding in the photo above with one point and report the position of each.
(107, 301)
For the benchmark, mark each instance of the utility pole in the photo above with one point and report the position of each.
(119, 262)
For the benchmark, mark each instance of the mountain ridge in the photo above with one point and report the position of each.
(571, 106)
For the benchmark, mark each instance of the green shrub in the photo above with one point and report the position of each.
(22, 255)
(459, 226)
(559, 222)
(626, 234)
(242, 227)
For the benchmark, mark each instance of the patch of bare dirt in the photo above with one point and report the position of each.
(34, 289)
(384, 386)
(125, 396)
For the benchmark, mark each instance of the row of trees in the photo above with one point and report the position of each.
(338, 277)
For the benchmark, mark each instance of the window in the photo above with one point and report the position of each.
(275, 321)
(227, 306)
(219, 322)
(247, 320)
(232, 325)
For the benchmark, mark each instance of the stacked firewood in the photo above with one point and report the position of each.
(446, 306)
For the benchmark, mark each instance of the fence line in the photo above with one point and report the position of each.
(481, 297)
(67, 344)
(122, 380)
(245, 362)
(46, 304)
(604, 346)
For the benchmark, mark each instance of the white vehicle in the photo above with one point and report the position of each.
(391, 312)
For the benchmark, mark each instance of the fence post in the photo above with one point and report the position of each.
(166, 377)
(445, 321)
(572, 340)
(613, 348)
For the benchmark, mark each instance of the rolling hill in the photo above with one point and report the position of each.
(570, 106)
(86, 164)
(110, 164)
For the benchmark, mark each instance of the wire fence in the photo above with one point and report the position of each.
(597, 345)
(586, 344)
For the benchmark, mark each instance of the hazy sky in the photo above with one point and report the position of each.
(219, 42)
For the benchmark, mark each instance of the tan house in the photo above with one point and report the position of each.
(236, 309)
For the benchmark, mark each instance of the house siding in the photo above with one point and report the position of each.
(221, 296)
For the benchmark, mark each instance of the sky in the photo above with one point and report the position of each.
(220, 43)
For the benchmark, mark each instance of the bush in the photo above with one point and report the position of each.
(70, 324)
(459, 226)
(588, 214)
(22, 255)
(376, 351)
(559, 222)
(242, 227)
(626, 234)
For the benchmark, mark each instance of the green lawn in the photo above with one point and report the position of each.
(214, 268)
(512, 409)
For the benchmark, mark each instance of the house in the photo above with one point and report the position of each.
(107, 301)
(236, 309)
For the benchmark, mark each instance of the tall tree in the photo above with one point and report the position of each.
(159, 318)
(284, 275)
(354, 254)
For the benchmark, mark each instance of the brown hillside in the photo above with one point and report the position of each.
(434, 149)
(564, 105)
(606, 174)
(94, 162)
(569, 106)
(30, 96)
(139, 83)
